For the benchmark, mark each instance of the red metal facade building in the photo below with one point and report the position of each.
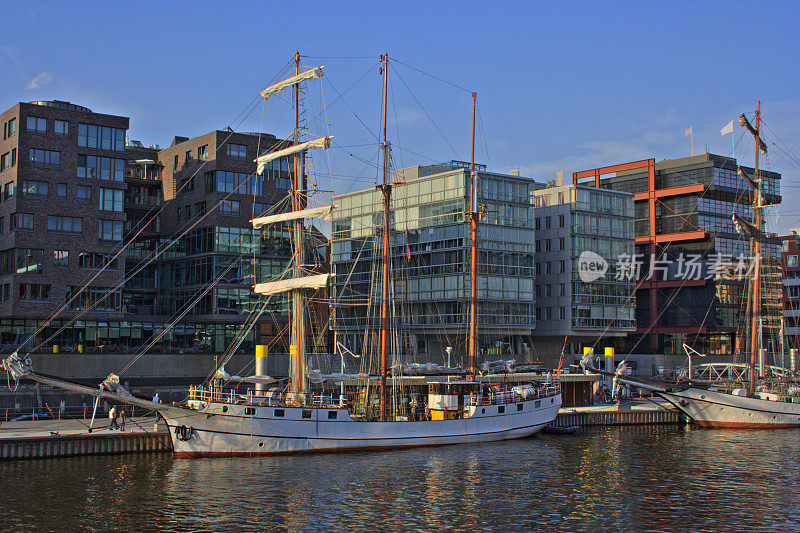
(654, 239)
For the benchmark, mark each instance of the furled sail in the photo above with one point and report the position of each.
(307, 282)
(262, 380)
(281, 85)
(322, 142)
(318, 212)
(315, 376)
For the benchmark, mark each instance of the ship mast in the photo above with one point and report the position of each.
(757, 222)
(473, 284)
(297, 350)
(386, 189)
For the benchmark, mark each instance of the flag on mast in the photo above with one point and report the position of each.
(688, 131)
(727, 128)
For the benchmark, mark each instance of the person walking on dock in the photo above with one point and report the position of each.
(122, 419)
(112, 415)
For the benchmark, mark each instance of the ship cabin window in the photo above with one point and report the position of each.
(538, 403)
(306, 413)
(519, 407)
(501, 409)
(280, 412)
(453, 388)
(332, 415)
(250, 411)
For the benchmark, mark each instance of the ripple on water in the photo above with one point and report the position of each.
(649, 478)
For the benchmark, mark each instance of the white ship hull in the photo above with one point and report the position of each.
(712, 409)
(210, 432)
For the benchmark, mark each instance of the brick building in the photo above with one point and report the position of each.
(61, 171)
(790, 280)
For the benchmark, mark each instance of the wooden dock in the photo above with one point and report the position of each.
(70, 438)
(622, 415)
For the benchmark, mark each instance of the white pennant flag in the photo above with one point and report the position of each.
(727, 128)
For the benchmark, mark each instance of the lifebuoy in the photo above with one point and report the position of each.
(183, 433)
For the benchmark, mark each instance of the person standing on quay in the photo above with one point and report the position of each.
(122, 419)
(112, 415)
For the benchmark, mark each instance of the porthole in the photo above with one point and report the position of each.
(224, 408)
(501, 409)
(483, 411)
(260, 444)
(519, 407)
(306, 413)
(332, 415)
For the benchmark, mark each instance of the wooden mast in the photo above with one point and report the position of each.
(473, 284)
(297, 350)
(757, 222)
(386, 189)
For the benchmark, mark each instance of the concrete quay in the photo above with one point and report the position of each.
(69, 438)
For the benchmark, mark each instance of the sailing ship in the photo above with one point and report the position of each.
(763, 403)
(219, 422)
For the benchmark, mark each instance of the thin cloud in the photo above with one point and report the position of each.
(40, 80)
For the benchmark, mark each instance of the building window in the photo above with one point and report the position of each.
(103, 137)
(9, 128)
(5, 294)
(62, 190)
(2, 225)
(61, 258)
(34, 291)
(229, 207)
(13, 156)
(65, 224)
(110, 230)
(22, 221)
(562, 243)
(188, 157)
(111, 199)
(202, 152)
(562, 313)
(238, 182)
(791, 260)
(237, 151)
(199, 209)
(29, 261)
(36, 125)
(794, 291)
(44, 158)
(61, 128)
(561, 217)
(34, 188)
(8, 190)
(104, 168)
(96, 260)
(84, 193)
(5, 161)
(98, 298)
(175, 163)
(563, 267)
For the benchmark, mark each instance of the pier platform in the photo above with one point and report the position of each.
(69, 438)
(633, 412)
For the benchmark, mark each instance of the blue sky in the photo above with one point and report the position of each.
(561, 85)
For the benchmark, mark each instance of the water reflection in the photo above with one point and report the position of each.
(632, 478)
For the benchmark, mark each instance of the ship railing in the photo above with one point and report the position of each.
(510, 396)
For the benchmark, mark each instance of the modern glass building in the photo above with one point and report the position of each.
(430, 247)
(584, 237)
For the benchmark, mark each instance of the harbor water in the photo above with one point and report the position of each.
(640, 478)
